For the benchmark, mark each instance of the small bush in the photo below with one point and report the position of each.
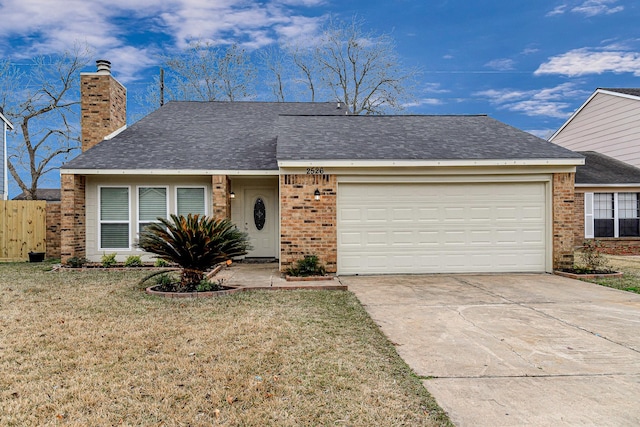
(108, 260)
(208, 286)
(76, 262)
(592, 257)
(133, 261)
(161, 263)
(164, 280)
(307, 266)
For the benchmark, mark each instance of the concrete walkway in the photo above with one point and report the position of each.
(514, 350)
(267, 276)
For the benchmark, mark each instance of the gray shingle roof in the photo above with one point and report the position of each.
(409, 138)
(626, 91)
(255, 135)
(199, 135)
(601, 169)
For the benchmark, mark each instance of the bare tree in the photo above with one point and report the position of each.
(208, 73)
(346, 63)
(45, 115)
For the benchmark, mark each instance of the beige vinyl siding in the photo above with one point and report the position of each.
(609, 125)
(94, 253)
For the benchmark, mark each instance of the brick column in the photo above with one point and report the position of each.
(308, 226)
(564, 223)
(578, 231)
(221, 202)
(53, 229)
(73, 221)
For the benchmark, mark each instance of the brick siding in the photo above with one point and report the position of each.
(308, 226)
(563, 220)
(103, 104)
(73, 220)
(221, 202)
(53, 219)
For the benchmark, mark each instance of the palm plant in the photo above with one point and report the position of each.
(196, 243)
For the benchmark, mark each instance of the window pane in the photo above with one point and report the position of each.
(603, 205)
(114, 236)
(114, 204)
(190, 201)
(603, 227)
(627, 205)
(152, 203)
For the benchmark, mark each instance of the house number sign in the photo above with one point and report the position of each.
(315, 171)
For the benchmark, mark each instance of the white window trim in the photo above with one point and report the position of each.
(589, 216)
(167, 207)
(100, 221)
(207, 199)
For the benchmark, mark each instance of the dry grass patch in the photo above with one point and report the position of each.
(89, 348)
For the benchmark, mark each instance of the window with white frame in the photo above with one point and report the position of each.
(152, 204)
(114, 218)
(190, 200)
(612, 215)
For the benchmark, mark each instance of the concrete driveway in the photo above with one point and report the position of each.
(514, 350)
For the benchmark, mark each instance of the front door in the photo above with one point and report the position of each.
(260, 221)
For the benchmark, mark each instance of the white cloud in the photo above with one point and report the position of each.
(421, 102)
(551, 102)
(588, 8)
(583, 61)
(503, 64)
(52, 26)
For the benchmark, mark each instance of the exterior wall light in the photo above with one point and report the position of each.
(232, 195)
(316, 194)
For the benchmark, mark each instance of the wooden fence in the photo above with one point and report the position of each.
(23, 228)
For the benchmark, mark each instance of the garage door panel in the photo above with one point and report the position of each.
(414, 228)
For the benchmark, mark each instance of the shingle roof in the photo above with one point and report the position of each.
(626, 91)
(48, 194)
(199, 136)
(255, 135)
(409, 138)
(601, 169)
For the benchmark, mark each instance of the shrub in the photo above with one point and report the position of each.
(208, 286)
(196, 243)
(108, 260)
(76, 262)
(133, 261)
(161, 263)
(307, 266)
(592, 257)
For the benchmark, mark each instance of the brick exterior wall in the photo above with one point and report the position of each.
(53, 219)
(308, 226)
(563, 220)
(221, 200)
(103, 104)
(610, 245)
(73, 220)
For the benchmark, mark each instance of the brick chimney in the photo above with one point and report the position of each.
(103, 103)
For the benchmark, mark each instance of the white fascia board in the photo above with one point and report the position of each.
(4, 119)
(427, 163)
(165, 172)
(606, 92)
(114, 133)
(608, 185)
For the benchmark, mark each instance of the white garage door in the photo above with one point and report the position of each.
(441, 228)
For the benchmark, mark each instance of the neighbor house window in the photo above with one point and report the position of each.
(114, 218)
(612, 215)
(152, 204)
(191, 200)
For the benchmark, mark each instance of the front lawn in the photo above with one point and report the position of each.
(630, 266)
(90, 348)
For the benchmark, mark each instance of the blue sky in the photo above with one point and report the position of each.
(529, 64)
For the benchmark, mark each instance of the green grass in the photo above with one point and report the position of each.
(90, 348)
(630, 281)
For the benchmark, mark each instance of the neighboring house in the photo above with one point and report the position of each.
(366, 194)
(46, 194)
(5, 125)
(606, 130)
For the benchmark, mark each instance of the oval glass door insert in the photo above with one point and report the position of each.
(259, 213)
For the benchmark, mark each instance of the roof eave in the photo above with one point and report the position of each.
(430, 163)
(165, 172)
